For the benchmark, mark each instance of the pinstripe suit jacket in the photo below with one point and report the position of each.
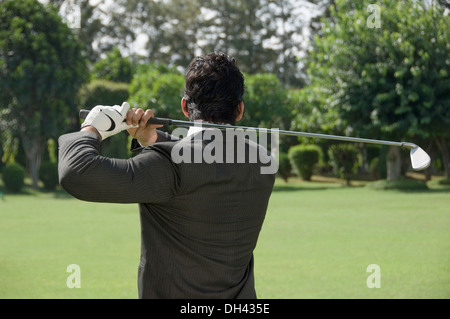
(199, 222)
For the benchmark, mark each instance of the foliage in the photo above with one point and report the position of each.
(159, 88)
(377, 164)
(114, 67)
(303, 159)
(244, 41)
(13, 176)
(265, 102)
(41, 70)
(284, 166)
(9, 148)
(48, 174)
(41, 67)
(93, 27)
(313, 110)
(103, 92)
(178, 29)
(344, 159)
(387, 83)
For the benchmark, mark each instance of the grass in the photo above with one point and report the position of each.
(41, 235)
(317, 241)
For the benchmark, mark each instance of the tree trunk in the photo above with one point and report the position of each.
(393, 163)
(34, 148)
(442, 145)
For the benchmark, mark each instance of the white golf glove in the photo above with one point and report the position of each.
(108, 120)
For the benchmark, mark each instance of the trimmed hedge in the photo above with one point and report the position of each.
(48, 174)
(14, 177)
(103, 92)
(344, 159)
(284, 166)
(304, 158)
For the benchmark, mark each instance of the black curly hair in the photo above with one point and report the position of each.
(214, 87)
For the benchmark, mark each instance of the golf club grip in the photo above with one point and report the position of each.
(154, 120)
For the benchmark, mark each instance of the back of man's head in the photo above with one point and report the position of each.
(214, 88)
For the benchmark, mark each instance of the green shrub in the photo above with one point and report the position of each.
(48, 174)
(14, 177)
(303, 159)
(284, 166)
(344, 159)
(103, 92)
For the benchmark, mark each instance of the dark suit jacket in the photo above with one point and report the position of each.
(199, 222)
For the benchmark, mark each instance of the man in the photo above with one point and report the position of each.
(199, 221)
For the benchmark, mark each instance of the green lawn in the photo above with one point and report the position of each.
(317, 241)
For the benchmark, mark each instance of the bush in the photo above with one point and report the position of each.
(303, 159)
(103, 92)
(284, 166)
(48, 174)
(344, 159)
(14, 177)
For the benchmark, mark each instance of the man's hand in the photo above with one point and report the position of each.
(137, 120)
(107, 120)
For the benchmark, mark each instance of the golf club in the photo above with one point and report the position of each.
(420, 160)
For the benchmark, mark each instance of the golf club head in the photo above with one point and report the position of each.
(419, 159)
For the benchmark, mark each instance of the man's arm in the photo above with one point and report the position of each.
(149, 177)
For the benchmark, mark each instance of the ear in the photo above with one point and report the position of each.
(240, 111)
(184, 107)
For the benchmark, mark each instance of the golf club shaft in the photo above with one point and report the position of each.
(165, 121)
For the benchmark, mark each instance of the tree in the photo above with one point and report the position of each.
(288, 25)
(240, 28)
(114, 67)
(265, 102)
(249, 30)
(159, 88)
(171, 26)
(41, 69)
(93, 26)
(389, 82)
(174, 32)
